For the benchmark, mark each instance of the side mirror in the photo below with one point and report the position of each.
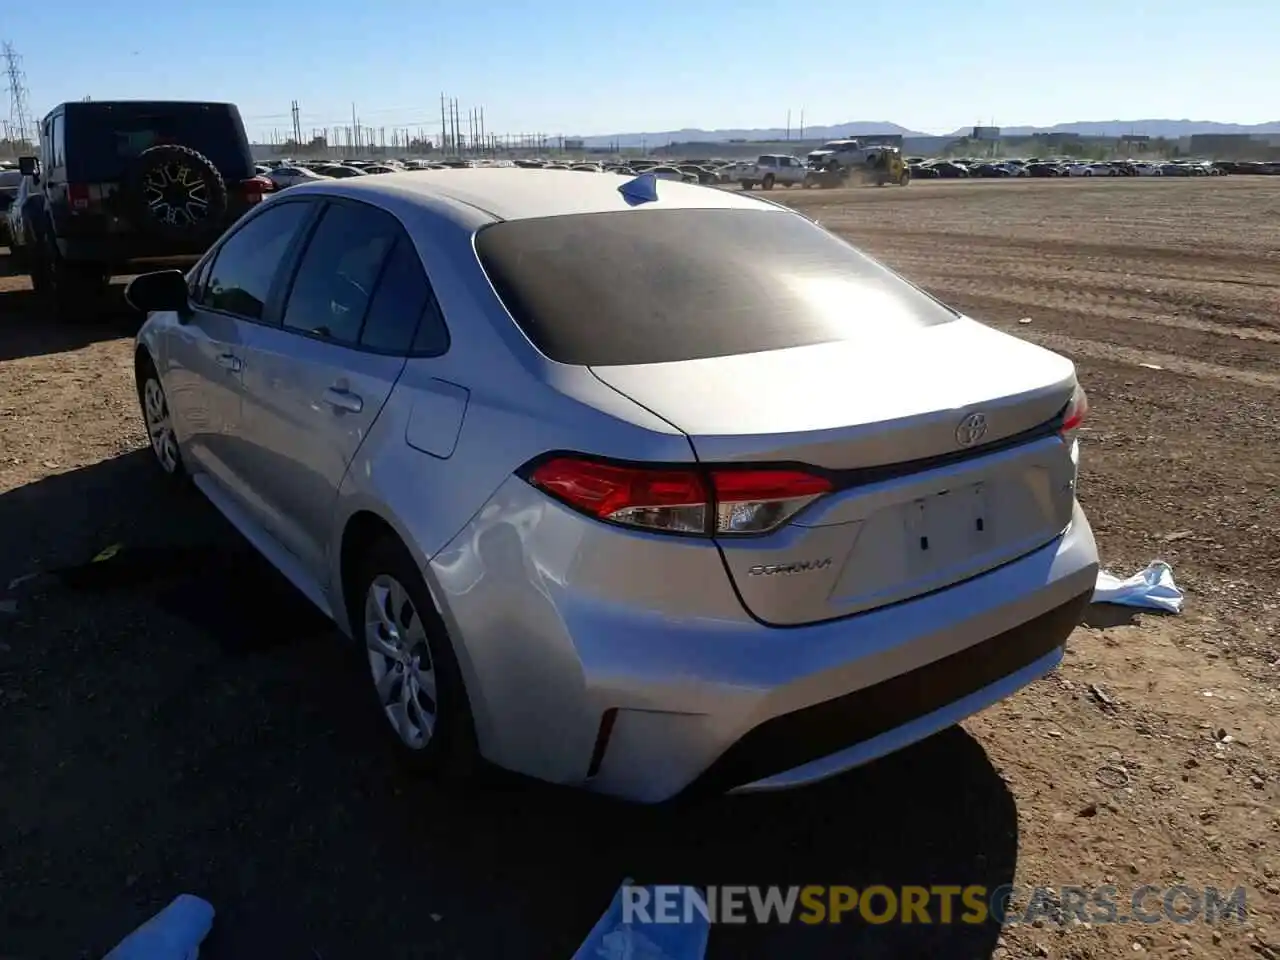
(27, 166)
(159, 291)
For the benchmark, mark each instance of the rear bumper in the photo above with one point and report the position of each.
(116, 245)
(119, 252)
(830, 737)
(557, 632)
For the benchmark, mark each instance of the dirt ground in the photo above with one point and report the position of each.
(184, 727)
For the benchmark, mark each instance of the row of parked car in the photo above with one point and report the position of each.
(288, 173)
(1055, 167)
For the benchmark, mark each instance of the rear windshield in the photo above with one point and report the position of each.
(103, 139)
(656, 286)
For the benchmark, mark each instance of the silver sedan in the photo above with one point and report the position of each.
(622, 482)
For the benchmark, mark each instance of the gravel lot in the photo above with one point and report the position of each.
(180, 721)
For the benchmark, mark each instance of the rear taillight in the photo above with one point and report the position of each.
(78, 196)
(1074, 415)
(254, 188)
(711, 501)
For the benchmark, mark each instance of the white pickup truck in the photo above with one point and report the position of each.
(774, 168)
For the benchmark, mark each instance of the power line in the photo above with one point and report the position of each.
(19, 112)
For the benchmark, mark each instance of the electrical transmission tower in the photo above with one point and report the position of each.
(19, 112)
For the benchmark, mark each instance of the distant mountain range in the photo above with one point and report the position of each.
(1171, 129)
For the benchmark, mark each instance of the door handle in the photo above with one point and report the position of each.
(230, 362)
(343, 400)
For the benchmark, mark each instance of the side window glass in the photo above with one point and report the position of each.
(195, 282)
(58, 139)
(335, 280)
(403, 299)
(432, 339)
(246, 265)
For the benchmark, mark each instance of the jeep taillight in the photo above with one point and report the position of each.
(708, 501)
(78, 196)
(254, 188)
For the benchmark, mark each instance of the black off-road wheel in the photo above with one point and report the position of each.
(70, 292)
(767, 182)
(174, 192)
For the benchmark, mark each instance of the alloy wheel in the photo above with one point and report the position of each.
(400, 661)
(155, 409)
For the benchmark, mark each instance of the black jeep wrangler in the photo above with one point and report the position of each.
(125, 185)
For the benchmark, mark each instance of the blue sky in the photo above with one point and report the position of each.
(596, 67)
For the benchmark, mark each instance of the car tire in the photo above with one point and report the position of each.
(71, 291)
(426, 715)
(767, 182)
(746, 184)
(157, 419)
(37, 267)
(18, 258)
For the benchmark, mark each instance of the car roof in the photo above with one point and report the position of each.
(143, 105)
(513, 193)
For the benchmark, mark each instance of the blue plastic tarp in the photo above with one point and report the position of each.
(620, 936)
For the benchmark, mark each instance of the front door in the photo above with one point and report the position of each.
(205, 375)
(315, 384)
(203, 386)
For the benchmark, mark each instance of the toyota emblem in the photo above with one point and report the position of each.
(972, 429)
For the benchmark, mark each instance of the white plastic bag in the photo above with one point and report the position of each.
(1152, 588)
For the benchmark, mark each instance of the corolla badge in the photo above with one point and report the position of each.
(972, 429)
(786, 569)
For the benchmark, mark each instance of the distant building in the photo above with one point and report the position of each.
(1227, 146)
(1056, 139)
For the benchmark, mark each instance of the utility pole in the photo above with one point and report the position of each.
(788, 125)
(297, 125)
(802, 123)
(19, 112)
(444, 129)
(482, 136)
(355, 128)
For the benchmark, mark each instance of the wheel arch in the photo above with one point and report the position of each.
(360, 531)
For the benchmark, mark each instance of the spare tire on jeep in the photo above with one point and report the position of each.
(176, 193)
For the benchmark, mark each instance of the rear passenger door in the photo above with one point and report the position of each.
(316, 382)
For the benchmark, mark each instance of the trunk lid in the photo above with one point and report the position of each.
(927, 495)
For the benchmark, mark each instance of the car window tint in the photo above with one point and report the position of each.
(248, 261)
(603, 289)
(433, 336)
(402, 297)
(336, 277)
